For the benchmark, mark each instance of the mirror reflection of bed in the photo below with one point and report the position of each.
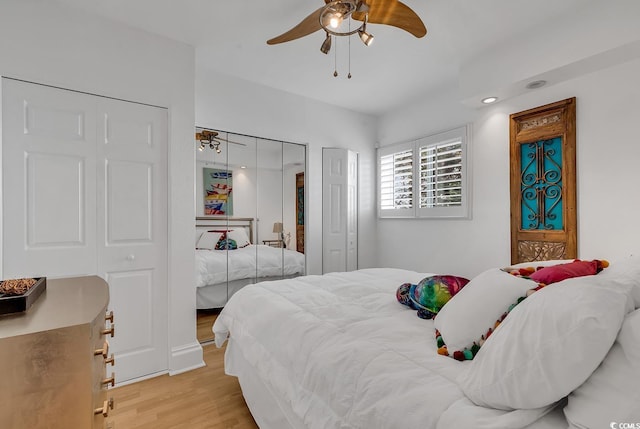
(249, 216)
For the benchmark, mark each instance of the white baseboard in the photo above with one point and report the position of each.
(144, 377)
(186, 358)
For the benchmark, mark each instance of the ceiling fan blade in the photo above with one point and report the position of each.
(395, 13)
(209, 136)
(205, 135)
(309, 25)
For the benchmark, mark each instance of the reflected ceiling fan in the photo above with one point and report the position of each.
(212, 139)
(331, 16)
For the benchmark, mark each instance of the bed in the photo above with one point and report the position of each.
(340, 351)
(220, 273)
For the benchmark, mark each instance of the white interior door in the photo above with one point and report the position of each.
(132, 231)
(84, 181)
(339, 210)
(48, 181)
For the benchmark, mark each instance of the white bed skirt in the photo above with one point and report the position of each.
(217, 295)
(268, 411)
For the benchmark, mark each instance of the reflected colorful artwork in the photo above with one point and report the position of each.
(218, 199)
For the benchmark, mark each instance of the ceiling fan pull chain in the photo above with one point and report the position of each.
(335, 59)
(349, 75)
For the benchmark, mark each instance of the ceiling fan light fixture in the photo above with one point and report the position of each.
(362, 7)
(366, 38)
(335, 20)
(326, 45)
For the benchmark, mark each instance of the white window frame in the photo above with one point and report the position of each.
(462, 211)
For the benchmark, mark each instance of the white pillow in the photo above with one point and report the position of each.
(611, 394)
(548, 346)
(472, 311)
(208, 240)
(625, 271)
(240, 237)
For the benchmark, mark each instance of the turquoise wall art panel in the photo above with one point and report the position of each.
(541, 185)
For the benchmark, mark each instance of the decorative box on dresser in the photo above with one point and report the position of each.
(54, 358)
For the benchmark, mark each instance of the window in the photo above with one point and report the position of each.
(437, 165)
(396, 180)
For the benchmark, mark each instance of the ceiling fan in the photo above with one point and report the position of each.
(212, 139)
(330, 17)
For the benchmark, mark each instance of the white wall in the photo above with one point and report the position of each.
(49, 44)
(270, 203)
(607, 182)
(228, 103)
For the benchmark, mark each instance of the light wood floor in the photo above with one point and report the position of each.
(204, 323)
(204, 398)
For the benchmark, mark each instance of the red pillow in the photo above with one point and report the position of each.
(557, 273)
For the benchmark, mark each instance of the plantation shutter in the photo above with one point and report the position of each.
(441, 175)
(426, 178)
(396, 172)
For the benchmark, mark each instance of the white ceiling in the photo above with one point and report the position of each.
(230, 37)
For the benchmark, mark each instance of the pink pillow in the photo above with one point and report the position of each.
(557, 273)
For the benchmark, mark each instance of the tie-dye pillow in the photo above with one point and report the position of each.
(430, 294)
(226, 243)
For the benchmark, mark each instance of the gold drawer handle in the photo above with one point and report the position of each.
(109, 316)
(108, 405)
(111, 360)
(110, 381)
(104, 351)
(109, 331)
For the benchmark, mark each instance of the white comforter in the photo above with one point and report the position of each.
(345, 354)
(217, 266)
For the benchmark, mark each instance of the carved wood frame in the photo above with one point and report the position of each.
(543, 123)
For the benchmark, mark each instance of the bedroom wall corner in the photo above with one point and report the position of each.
(70, 49)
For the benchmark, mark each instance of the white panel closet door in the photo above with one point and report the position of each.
(339, 210)
(48, 181)
(85, 192)
(132, 231)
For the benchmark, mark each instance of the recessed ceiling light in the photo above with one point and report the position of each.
(489, 100)
(536, 84)
(243, 166)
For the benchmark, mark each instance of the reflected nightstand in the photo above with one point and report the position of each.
(273, 243)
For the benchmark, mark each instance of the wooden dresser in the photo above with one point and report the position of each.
(54, 358)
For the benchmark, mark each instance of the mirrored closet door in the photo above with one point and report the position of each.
(250, 218)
